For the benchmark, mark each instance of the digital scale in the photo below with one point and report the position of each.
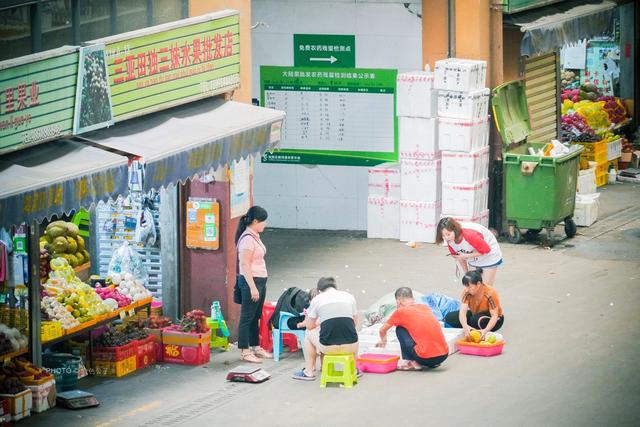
(248, 374)
(77, 399)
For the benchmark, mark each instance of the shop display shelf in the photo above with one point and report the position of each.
(8, 356)
(70, 333)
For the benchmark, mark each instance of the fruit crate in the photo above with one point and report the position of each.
(593, 147)
(19, 404)
(187, 355)
(50, 331)
(602, 168)
(146, 354)
(480, 349)
(115, 354)
(115, 369)
(602, 179)
(175, 337)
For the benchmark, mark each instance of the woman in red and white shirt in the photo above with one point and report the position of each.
(472, 246)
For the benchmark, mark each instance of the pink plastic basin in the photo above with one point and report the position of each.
(476, 349)
(377, 363)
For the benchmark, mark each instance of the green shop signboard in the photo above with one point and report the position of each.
(344, 116)
(324, 50)
(37, 96)
(172, 64)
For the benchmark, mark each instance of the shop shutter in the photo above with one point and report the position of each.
(541, 90)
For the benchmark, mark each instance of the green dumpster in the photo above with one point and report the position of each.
(540, 191)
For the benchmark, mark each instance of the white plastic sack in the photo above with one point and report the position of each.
(145, 228)
(126, 260)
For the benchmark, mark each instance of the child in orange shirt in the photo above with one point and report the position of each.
(480, 308)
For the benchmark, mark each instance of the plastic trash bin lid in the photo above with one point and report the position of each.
(510, 112)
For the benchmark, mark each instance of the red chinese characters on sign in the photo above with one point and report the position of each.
(21, 97)
(197, 51)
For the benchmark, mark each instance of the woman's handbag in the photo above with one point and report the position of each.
(237, 293)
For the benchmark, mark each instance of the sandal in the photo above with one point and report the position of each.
(261, 352)
(408, 367)
(302, 375)
(250, 357)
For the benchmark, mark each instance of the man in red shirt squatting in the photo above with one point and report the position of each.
(421, 339)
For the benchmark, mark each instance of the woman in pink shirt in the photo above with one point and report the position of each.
(252, 280)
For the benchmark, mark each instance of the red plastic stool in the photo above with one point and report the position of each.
(290, 341)
(266, 339)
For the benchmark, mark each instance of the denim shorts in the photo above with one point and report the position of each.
(497, 264)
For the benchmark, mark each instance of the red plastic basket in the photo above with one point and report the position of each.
(115, 354)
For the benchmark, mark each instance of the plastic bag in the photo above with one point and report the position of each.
(126, 260)
(145, 228)
(440, 304)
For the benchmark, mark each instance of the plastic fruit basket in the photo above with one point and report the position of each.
(477, 349)
(377, 363)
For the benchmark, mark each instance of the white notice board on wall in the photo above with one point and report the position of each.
(343, 116)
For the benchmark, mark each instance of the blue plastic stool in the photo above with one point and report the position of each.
(283, 328)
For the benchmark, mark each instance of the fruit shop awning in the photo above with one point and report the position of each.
(56, 178)
(193, 139)
(551, 27)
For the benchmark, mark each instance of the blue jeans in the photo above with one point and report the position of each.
(407, 346)
(250, 312)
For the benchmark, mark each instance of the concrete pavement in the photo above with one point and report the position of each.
(571, 324)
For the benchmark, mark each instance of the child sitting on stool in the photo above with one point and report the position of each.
(480, 308)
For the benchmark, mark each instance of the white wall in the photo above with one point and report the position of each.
(387, 36)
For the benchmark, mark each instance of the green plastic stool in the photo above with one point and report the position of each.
(347, 376)
(81, 219)
(216, 341)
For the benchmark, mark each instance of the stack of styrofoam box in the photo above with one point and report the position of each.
(463, 136)
(586, 208)
(383, 207)
(419, 156)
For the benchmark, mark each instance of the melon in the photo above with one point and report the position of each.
(72, 245)
(80, 241)
(72, 229)
(73, 261)
(60, 245)
(80, 258)
(56, 231)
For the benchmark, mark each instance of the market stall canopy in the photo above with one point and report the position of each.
(185, 141)
(57, 178)
(551, 27)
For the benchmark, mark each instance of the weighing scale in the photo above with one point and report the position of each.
(77, 399)
(248, 374)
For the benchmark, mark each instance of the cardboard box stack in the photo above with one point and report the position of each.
(463, 136)
(420, 166)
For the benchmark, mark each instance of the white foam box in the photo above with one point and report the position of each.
(418, 138)
(464, 105)
(586, 181)
(614, 149)
(463, 134)
(465, 199)
(415, 95)
(482, 219)
(418, 221)
(384, 180)
(452, 336)
(586, 210)
(465, 168)
(460, 74)
(420, 180)
(19, 404)
(43, 396)
(383, 218)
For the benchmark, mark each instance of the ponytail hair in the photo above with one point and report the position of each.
(472, 277)
(254, 213)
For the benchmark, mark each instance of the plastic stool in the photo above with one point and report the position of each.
(81, 219)
(347, 376)
(265, 321)
(283, 333)
(217, 341)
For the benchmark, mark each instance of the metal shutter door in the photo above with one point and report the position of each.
(541, 90)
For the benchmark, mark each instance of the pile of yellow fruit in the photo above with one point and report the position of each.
(489, 338)
(61, 239)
